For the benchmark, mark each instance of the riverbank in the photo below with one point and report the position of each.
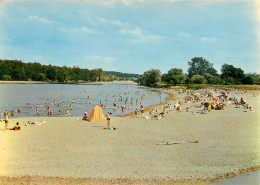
(70, 151)
(23, 82)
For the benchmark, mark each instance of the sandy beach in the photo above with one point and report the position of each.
(72, 151)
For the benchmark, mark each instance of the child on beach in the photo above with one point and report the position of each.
(108, 116)
(136, 113)
(85, 117)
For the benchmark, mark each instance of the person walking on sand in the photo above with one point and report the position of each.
(6, 118)
(108, 116)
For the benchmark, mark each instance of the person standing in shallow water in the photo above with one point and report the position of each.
(36, 111)
(136, 113)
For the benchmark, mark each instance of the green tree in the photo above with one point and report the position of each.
(100, 74)
(41, 77)
(248, 80)
(254, 76)
(175, 76)
(150, 78)
(6, 77)
(230, 71)
(199, 66)
(52, 73)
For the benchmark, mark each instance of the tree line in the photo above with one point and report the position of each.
(200, 71)
(17, 70)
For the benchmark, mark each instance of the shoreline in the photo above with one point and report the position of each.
(98, 180)
(170, 97)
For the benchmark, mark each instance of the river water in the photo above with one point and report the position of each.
(23, 96)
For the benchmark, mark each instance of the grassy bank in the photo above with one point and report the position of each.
(203, 86)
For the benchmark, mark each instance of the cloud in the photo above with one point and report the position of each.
(39, 19)
(82, 29)
(208, 39)
(183, 34)
(114, 22)
(139, 35)
(99, 59)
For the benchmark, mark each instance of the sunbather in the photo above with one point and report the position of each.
(16, 127)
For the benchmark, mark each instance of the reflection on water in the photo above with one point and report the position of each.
(23, 96)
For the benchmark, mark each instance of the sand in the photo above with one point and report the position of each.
(70, 151)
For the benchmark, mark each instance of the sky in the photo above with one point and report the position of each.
(131, 36)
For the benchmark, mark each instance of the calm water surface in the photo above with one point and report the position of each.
(22, 96)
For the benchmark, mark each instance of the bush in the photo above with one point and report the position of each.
(229, 81)
(197, 79)
(216, 80)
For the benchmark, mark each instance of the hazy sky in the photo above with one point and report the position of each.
(131, 35)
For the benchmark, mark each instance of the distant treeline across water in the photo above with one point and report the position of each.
(19, 71)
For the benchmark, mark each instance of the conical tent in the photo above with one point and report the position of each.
(96, 114)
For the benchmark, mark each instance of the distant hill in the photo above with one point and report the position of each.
(120, 74)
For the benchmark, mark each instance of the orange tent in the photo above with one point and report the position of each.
(96, 114)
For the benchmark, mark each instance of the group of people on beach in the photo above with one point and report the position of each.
(208, 101)
(6, 115)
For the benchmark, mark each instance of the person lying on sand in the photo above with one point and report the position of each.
(16, 127)
(110, 128)
(34, 123)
